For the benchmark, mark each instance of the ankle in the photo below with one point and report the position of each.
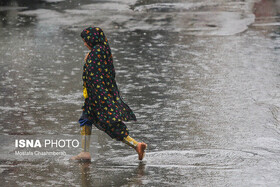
(84, 152)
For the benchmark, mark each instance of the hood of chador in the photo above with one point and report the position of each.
(93, 36)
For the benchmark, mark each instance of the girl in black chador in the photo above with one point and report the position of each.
(103, 104)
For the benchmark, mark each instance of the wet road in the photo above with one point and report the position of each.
(202, 78)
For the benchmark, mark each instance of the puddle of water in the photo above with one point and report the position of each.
(202, 78)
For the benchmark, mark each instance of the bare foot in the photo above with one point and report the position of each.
(83, 156)
(140, 148)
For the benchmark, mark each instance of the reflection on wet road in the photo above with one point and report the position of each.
(202, 77)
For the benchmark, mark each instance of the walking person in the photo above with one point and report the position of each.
(103, 107)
